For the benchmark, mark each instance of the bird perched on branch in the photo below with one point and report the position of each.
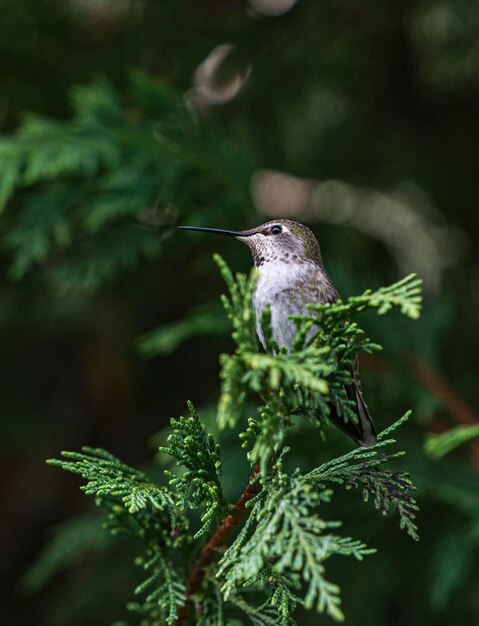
(291, 276)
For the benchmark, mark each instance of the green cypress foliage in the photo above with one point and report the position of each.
(80, 185)
(208, 561)
(198, 453)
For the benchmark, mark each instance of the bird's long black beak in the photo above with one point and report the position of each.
(218, 231)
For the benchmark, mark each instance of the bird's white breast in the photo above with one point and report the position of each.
(287, 288)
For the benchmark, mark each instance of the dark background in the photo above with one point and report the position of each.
(360, 118)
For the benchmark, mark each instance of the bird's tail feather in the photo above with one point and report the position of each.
(362, 430)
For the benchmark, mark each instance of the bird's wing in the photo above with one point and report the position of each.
(362, 431)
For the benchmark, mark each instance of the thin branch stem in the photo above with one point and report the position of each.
(437, 384)
(219, 538)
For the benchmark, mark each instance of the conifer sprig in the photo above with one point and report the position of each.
(84, 183)
(107, 476)
(311, 377)
(199, 456)
(404, 294)
(363, 469)
(137, 507)
(285, 532)
(165, 588)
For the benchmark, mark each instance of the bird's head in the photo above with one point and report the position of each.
(280, 240)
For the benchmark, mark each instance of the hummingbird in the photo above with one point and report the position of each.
(291, 276)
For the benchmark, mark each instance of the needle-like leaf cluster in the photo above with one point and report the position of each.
(287, 532)
(140, 508)
(286, 538)
(309, 379)
(107, 476)
(198, 453)
(95, 188)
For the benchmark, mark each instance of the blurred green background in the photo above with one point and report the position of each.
(122, 118)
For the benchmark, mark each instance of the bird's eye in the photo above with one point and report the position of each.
(276, 230)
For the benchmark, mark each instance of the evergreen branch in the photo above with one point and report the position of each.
(283, 545)
(284, 595)
(404, 294)
(83, 182)
(113, 482)
(68, 544)
(200, 321)
(268, 434)
(239, 307)
(200, 456)
(211, 611)
(382, 437)
(434, 382)
(207, 555)
(166, 591)
(454, 560)
(107, 476)
(313, 375)
(264, 615)
(363, 469)
(439, 445)
(233, 394)
(282, 370)
(289, 537)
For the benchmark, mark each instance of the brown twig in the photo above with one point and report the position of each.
(458, 408)
(434, 382)
(220, 537)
